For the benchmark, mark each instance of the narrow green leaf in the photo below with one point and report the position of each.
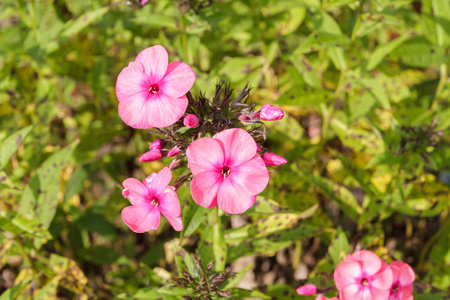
(384, 49)
(10, 145)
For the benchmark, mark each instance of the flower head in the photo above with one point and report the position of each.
(151, 91)
(402, 287)
(271, 159)
(157, 144)
(149, 200)
(270, 113)
(227, 171)
(363, 276)
(307, 289)
(190, 121)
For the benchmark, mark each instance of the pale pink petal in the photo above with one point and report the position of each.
(169, 203)
(204, 188)
(176, 222)
(141, 218)
(238, 145)
(351, 292)
(251, 176)
(157, 183)
(152, 110)
(406, 293)
(132, 82)
(347, 273)
(233, 200)
(405, 273)
(383, 279)
(370, 261)
(136, 192)
(379, 294)
(155, 61)
(178, 79)
(205, 154)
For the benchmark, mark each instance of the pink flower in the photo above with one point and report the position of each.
(150, 199)
(271, 159)
(157, 145)
(270, 113)
(227, 171)
(307, 289)
(402, 287)
(151, 91)
(258, 148)
(143, 2)
(174, 152)
(151, 155)
(190, 121)
(320, 297)
(363, 276)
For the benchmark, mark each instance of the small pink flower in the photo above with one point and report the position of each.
(363, 276)
(151, 155)
(174, 152)
(149, 200)
(270, 113)
(321, 297)
(227, 171)
(402, 287)
(143, 2)
(157, 145)
(307, 289)
(271, 159)
(151, 91)
(190, 121)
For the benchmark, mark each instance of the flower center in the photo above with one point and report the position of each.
(395, 288)
(155, 202)
(364, 281)
(225, 172)
(154, 88)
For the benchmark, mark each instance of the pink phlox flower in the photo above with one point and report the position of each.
(321, 297)
(190, 121)
(151, 91)
(271, 159)
(402, 287)
(227, 171)
(307, 289)
(149, 200)
(270, 113)
(151, 155)
(363, 276)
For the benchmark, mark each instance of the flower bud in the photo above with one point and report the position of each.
(143, 2)
(271, 159)
(174, 152)
(190, 121)
(320, 297)
(258, 148)
(173, 164)
(270, 113)
(307, 289)
(125, 193)
(151, 155)
(157, 145)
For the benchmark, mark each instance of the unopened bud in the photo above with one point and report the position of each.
(151, 155)
(173, 164)
(190, 121)
(258, 148)
(271, 159)
(157, 145)
(270, 113)
(174, 152)
(307, 289)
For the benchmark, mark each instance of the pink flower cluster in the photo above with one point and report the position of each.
(227, 169)
(364, 276)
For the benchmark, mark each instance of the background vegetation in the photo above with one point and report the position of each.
(365, 88)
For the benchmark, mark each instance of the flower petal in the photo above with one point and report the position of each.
(383, 279)
(137, 192)
(232, 199)
(347, 273)
(379, 294)
(176, 222)
(205, 154)
(155, 61)
(239, 147)
(178, 79)
(204, 188)
(169, 203)
(405, 274)
(252, 176)
(141, 218)
(350, 292)
(146, 110)
(370, 261)
(157, 182)
(131, 81)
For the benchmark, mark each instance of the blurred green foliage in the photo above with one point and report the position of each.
(366, 89)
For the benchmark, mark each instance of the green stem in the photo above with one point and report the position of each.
(27, 259)
(358, 21)
(442, 80)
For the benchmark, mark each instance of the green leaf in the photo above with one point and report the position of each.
(339, 247)
(49, 290)
(305, 96)
(384, 49)
(11, 143)
(14, 292)
(75, 184)
(320, 40)
(40, 197)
